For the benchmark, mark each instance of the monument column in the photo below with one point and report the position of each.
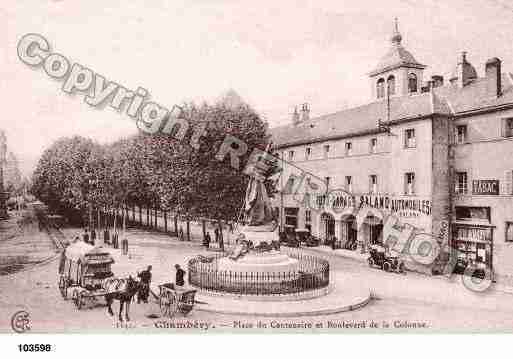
(3, 195)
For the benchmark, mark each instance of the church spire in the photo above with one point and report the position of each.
(396, 36)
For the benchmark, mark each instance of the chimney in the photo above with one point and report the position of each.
(295, 117)
(305, 112)
(493, 77)
(464, 73)
(437, 81)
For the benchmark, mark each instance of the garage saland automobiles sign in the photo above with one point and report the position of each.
(404, 207)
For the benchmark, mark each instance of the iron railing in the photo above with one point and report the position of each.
(312, 274)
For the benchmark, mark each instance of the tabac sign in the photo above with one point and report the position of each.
(485, 187)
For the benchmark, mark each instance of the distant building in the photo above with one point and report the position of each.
(430, 152)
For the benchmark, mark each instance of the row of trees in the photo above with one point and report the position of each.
(76, 176)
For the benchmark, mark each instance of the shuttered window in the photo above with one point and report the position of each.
(507, 127)
(507, 184)
(509, 231)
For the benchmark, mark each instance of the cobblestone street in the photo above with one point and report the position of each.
(400, 299)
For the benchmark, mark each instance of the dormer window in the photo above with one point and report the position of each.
(412, 83)
(380, 88)
(391, 85)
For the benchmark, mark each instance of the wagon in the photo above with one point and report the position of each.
(173, 300)
(83, 271)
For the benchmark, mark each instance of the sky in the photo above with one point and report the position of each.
(274, 54)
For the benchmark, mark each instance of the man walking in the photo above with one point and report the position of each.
(180, 274)
(208, 239)
(85, 236)
(145, 277)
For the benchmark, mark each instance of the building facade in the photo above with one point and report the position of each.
(437, 155)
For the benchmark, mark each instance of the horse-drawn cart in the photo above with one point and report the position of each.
(174, 299)
(84, 270)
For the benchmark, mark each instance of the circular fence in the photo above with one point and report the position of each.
(312, 273)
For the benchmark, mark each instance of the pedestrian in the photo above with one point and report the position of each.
(85, 236)
(221, 242)
(180, 274)
(208, 239)
(144, 292)
(333, 242)
(180, 233)
(216, 234)
(93, 236)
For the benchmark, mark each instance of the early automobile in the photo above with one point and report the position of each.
(386, 261)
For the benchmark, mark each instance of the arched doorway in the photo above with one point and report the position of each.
(373, 230)
(327, 227)
(348, 232)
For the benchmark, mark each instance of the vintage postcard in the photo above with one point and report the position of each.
(256, 167)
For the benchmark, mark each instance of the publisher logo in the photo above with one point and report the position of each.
(20, 321)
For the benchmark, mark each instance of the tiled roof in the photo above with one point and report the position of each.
(397, 56)
(448, 100)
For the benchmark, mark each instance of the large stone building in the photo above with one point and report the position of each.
(432, 153)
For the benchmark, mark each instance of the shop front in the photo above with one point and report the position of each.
(472, 240)
(327, 228)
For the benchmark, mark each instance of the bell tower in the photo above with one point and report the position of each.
(398, 73)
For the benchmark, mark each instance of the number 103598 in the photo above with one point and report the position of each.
(34, 347)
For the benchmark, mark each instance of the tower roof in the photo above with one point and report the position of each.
(397, 56)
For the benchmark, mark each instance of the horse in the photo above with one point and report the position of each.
(122, 290)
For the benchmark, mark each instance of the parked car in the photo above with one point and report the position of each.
(312, 241)
(379, 257)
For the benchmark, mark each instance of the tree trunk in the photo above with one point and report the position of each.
(115, 218)
(221, 240)
(156, 219)
(188, 230)
(165, 221)
(124, 220)
(140, 216)
(133, 213)
(147, 217)
(176, 224)
(204, 227)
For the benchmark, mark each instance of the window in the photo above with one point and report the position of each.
(412, 83)
(326, 150)
(509, 231)
(409, 138)
(291, 155)
(409, 183)
(373, 184)
(460, 134)
(349, 148)
(461, 183)
(507, 127)
(472, 214)
(308, 216)
(327, 179)
(349, 184)
(391, 85)
(373, 145)
(308, 152)
(380, 88)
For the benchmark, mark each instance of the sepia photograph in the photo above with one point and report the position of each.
(237, 167)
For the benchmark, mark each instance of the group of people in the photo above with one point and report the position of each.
(218, 239)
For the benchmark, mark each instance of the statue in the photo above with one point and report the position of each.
(259, 222)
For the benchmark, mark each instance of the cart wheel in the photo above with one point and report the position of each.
(371, 262)
(400, 268)
(78, 299)
(386, 267)
(63, 287)
(168, 304)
